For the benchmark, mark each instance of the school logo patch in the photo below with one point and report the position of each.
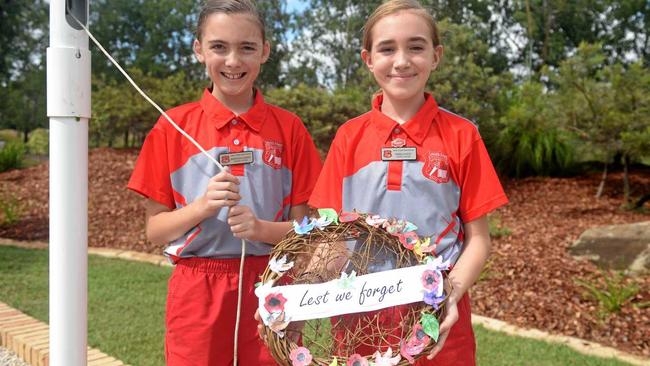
(273, 154)
(436, 167)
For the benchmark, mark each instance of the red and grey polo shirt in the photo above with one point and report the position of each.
(433, 171)
(268, 148)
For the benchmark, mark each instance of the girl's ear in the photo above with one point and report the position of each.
(438, 51)
(198, 51)
(266, 51)
(367, 59)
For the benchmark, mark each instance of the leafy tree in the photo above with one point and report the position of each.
(531, 142)
(466, 84)
(121, 115)
(321, 110)
(607, 105)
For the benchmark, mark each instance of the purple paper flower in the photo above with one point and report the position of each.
(433, 300)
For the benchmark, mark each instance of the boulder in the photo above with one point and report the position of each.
(619, 247)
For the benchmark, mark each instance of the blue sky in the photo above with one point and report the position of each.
(296, 4)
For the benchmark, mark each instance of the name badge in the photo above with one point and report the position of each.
(398, 153)
(244, 157)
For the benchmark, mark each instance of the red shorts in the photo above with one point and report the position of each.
(459, 348)
(202, 309)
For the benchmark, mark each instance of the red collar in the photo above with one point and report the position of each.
(416, 128)
(220, 115)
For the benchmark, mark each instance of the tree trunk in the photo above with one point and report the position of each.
(626, 180)
(126, 137)
(601, 186)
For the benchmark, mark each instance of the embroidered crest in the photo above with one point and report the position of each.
(273, 154)
(436, 167)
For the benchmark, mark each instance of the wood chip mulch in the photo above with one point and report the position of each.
(529, 280)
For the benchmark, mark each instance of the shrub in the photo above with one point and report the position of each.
(10, 209)
(530, 143)
(497, 229)
(11, 156)
(38, 142)
(612, 294)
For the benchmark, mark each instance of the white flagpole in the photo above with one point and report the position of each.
(68, 107)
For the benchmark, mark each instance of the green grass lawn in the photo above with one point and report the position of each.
(126, 305)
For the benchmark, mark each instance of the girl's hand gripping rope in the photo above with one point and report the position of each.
(222, 191)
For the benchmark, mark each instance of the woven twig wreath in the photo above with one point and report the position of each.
(341, 248)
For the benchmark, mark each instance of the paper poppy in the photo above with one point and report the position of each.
(357, 360)
(274, 302)
(300, 357)
(431, 280)
(409, 239)
(348, 216)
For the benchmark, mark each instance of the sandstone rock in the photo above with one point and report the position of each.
(619, 247)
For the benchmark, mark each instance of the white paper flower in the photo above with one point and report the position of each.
(386, 359)
(322, 222)
(280, 266)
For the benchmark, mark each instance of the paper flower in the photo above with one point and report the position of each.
(431, 279)
(423, 246)
(335, 362)
(433, 299)
(375, 220)
(386, 359)
(278, 322)
(408, 227)
(322, 222)
(357, 360)
(280, 266)
(430, 326)
(415, 344)
(304, 227)
(300, 357)
(394, 227)
(348, 216)
(346, 281)
(329, 213)
(409, 239)
(274, 302)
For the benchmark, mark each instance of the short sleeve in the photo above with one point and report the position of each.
(306, 166)
(328, 192)
(151, 175)
(481, 191)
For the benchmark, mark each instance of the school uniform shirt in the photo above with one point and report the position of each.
(433, 171)
(267, 148)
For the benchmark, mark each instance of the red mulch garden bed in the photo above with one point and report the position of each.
(529, 281)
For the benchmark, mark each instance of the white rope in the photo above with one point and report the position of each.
(198, 146)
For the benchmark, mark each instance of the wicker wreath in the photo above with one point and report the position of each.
(342, 247)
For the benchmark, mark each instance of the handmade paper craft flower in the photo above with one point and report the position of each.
(409, 239)
(348, 216)
(278, 323)
(375, 220)
(346, 281)
(322, 222)
(423, 246)
(394, 227)
(415, 344)
(386, 359)
(408, 227)
(329, 213)
(431, 279)
(280, 266)
(304, 227)
(274, 302)
(433, 299)
(357, 360)
(300, 357)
